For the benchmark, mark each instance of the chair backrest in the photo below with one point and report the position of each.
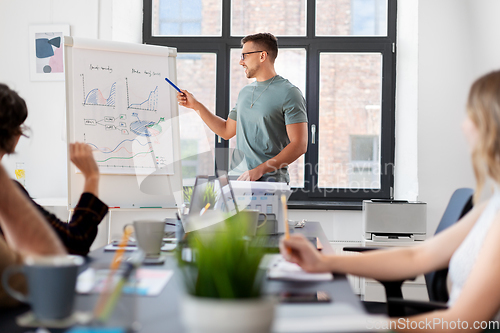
(460, 204)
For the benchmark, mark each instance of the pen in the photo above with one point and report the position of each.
(204, 209)
(115, 263)
(115, 295)
(285, 218)
(132, 263)
(173, 85)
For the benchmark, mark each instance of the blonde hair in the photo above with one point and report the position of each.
(483, 108)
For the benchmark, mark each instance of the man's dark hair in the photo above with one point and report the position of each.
(264, 40)
(13, 113)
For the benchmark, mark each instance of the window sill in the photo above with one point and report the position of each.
(326, 205)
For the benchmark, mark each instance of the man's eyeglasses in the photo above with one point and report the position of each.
(243, 55)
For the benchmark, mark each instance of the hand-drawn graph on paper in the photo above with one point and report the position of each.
(96, 97)
(148, 104)
(141, 152)
(136, 156)
(146, 128)
(122, 151)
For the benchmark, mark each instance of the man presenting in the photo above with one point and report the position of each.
(269, 119)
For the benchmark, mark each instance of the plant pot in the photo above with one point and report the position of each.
(213, 315)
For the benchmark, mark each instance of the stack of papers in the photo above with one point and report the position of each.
(148, 282)
(327, 317)
(332, 323)
(284, 270)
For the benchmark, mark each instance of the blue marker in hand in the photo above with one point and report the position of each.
(173, 85)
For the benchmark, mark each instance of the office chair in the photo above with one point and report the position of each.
(460, 204)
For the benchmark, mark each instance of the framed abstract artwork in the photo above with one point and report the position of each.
(47, 52)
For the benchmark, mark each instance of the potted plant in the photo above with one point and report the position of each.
(224, 283)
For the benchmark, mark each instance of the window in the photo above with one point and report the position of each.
(186, 17)
(339, 53)
(197, 140)
(282, 18)
(365, 161)
(349, 108)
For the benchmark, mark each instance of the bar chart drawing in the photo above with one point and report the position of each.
(149, 104)
(146, 128)
(95, 96)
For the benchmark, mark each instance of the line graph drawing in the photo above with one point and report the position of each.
(150, 104)
(126, 154)
(125, 158)
(96, 97)
(107, 150)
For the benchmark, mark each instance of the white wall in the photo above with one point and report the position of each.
(44, 154)
(444, 74)
(457, 43)
(485, 28)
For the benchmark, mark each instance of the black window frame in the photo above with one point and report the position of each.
(310, 196)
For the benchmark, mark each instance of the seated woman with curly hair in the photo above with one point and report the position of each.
(79, 233)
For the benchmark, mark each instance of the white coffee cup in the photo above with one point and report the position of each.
(252, 220)
(149, 236)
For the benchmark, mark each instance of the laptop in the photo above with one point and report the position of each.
(208, 199)
(197, 203)
(229, 204)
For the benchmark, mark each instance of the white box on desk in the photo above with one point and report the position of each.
(262, 196)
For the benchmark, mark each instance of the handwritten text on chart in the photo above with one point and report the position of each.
(148, 73)
(101, 68)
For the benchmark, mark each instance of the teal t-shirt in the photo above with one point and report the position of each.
(261, 129)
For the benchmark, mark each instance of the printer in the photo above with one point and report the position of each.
(394, 221)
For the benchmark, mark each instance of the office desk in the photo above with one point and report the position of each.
(162, 313)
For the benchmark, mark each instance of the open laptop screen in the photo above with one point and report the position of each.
(198, 200)
(229, 202)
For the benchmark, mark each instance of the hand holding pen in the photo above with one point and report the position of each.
(184, 98)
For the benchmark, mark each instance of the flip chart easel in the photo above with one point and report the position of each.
(118, 102)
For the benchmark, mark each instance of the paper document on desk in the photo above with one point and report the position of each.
(150, 282)
(167, 247)
(332, 323)
(281, 269)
